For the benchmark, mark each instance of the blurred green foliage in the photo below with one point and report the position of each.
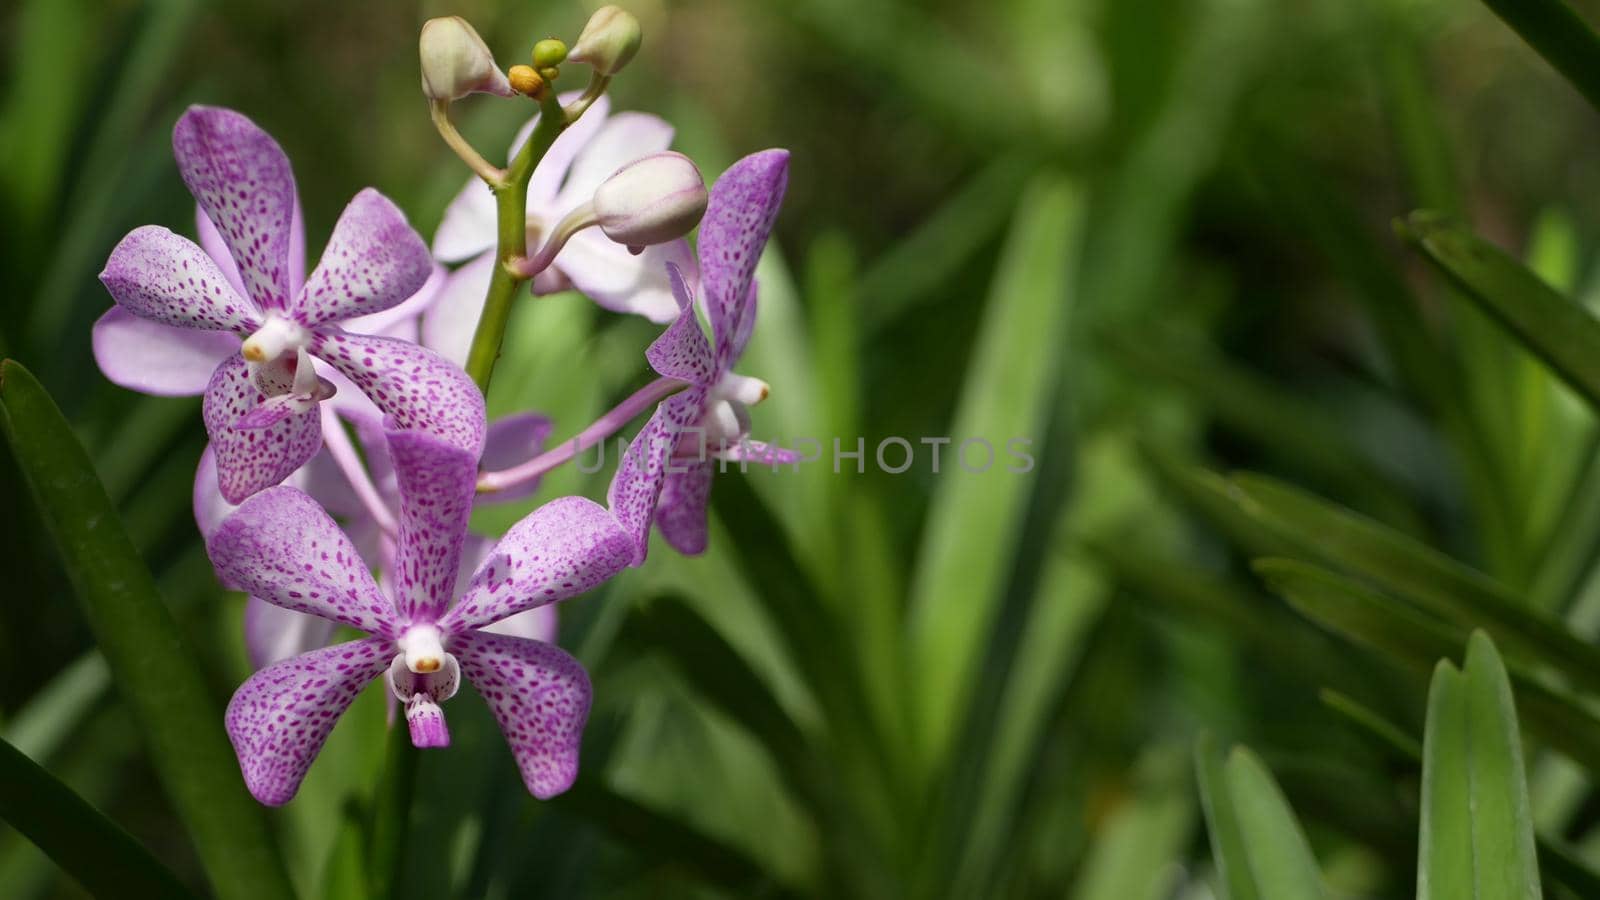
(1152, 236)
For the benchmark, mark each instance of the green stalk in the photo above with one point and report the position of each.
(391, 811)
(511, 202)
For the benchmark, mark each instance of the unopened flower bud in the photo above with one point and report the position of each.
(524, 80)
(456, 61)
(549, 52)
(550, 73)
(609, 40)
(651, 200)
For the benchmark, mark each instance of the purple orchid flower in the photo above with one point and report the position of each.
(282, 547)
(261, 401)
(580, 159)
(666, 475)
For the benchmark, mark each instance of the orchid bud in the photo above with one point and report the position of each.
(651, 200)
(456, 61)
(608, 41)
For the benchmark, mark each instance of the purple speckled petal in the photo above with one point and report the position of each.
(281, 546)
(249, 459)
(636, 486)
(539, 694)
(605, 272)
(374, 261)
(513, 440)
(279, 719)
(167, 278)
(542, 623)
(210, 507)
(681, 351)
(436, 480)
(403, 321)
(448, 325)
(681, 511)
(417, 388)
(210, 239)
(158, 359)
(560, 550)
(273, 634)
(241, 178)
(744, 203)
(620, 139)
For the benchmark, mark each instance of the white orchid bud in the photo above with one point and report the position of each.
(456, 61)
(608, 41)
(651, 200)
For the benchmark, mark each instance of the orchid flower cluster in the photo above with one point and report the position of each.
(345, 407)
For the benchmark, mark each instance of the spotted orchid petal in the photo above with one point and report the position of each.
(164, 277)
(249, 459)
(158, 359)
(210, 240)
(681, 511)
(280, 717)
(605, 272)
(282, 547)
(539, 694)
(418, 389)
(636, 486)
(681, 351)
(560, 550)
(448, 325)
(273, 634)
(403, 321)
(759, 452)
(374, 261)
(620, 139)
(242, 179)
(436, 482)
(744, 204)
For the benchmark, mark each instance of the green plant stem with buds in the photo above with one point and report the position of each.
(511, 203)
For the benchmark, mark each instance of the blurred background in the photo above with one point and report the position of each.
(1153, 237)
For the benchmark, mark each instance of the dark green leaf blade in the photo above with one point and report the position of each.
(153, 669)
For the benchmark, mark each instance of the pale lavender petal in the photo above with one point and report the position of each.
(681, 511)
(415, 387)
(744, 203)
(621, 139)
(373, 262)
(241, 178)
(560, 550)
(210, 507)
(636, 486)
(681, 351)
(164, 277)
(514, 440)
(541, 623)
(279, 719)
(273, 634)
(748, 451)
(436, 481)
(539, 694)
(605, 272)
(403, 321)
(448, 325)
(158, 359)
(545, 185)
(211, 241)
(468, 227)
(249, 459)
(282, 547)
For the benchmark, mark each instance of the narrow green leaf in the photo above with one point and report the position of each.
(154, 670)
(1477, 831)
(1559, 35)
(1553, 327)
(96, 851)
(1279, 857)
(959, 577)
(1137, 854)
(1222, 821)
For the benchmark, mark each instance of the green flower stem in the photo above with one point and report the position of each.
(391, 811)
(511, 201)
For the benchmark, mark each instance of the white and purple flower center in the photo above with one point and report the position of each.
(727, 417)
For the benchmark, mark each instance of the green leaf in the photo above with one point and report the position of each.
(1259, 849)
(1552, 326)
(1477, 831)
(1559, 35)
(155, 671)
(959, 577)
(1137, 854)
(91, 848)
